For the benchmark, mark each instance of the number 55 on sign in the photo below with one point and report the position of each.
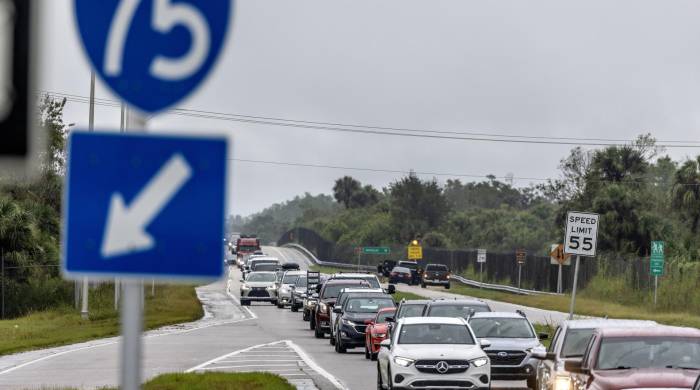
(581, 233)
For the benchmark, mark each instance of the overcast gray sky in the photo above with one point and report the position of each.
(594, 68)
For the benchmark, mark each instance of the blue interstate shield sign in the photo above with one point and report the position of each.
(153, 53)
(144, 206)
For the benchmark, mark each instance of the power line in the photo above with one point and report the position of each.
(391, 131)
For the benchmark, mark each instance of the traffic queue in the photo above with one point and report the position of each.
(464, 344)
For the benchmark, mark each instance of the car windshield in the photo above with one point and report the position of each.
(332, 291)
(415, 310)
(247, 248)
(435, 334)
(261, 277)
(290, 279)
(649, 352)
(368, 305)
(264, 267)
(456, 310)
(436, 267)
(408, 265)
(381, 317)
(401, 269)
(501, 328)
(575, 342)
(301, 281)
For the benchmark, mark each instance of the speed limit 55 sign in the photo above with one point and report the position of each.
(581, 233)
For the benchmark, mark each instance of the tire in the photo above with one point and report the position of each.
(532, 382)
(447, 286)
(274, 302)
(373, 357)
(367, 354)
(339, 347)
(422, 285)
(280, 306)
(380, 386)
(312, 322)
(305, 315)
(331, 339)
(294, 308)
(318, 333)
(389, 385)
(245, 303)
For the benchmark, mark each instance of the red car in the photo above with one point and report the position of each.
(377, 331)
(662, 357)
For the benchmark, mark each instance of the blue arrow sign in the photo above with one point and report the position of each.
(144, 206)
(153, 53)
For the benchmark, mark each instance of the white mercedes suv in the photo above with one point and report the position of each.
(433, 352)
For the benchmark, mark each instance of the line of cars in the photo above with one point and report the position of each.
(462, 343)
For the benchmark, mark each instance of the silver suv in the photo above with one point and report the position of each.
(260, 287)
(515, 350)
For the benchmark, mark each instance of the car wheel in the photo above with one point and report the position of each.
(447, 286)
(422, 285)
(318, 333)
(366, 352)
(339, 347)
(373, 356)
(389, 385)
(380, 386)
(274, 302)
(312, 322)
(280, 305)
(244, 303)
(532, 382)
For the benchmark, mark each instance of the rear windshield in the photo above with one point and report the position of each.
(408, 265)
(401, 269)
(622, 353)
(575, 342)
(456, 310)
(264, 267)
(247, 248)
(435, 334)
(290, 279)
(332, 291)
(381, 317)
(501, 328)
(414, 310)
(436, 267)
(301, 281)
(255, 277)
(368, 305)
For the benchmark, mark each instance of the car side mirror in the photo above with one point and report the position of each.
(318, 288)
(385, 344)
(575, 366)
(543, 336)
(391, 289)
(484, 343)
(337, 310)
(539, 353)
(390, 319)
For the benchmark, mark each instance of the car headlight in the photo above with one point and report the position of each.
(479, 362)
(284, 290)
(271, 288)
(403, 362)
(323, 307)
(562, 383)
(380, 335)
(346, 322)
(245, 287)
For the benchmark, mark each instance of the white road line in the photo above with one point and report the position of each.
(234, 353)
(247, 365)
(312, 364)
(258, 360)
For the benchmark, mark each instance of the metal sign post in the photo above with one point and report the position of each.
(559, 258)
(131, 322)
(656, 264)
(520, 256)
(481, 259)
(581, 240)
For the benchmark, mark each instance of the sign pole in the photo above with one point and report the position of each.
(656, 286)
(131, 322)
(559, 286)
(359, 254)
(481, 271)
(2, 260)
(520, 268)
(573, 291)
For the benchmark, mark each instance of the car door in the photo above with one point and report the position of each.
(383, 359)
(545, 370)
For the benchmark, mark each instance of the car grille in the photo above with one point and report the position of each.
(442, 384)
(511, 358)
(258, 292)
(360, 328)
(453, 366)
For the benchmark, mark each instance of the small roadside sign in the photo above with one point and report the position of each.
(657, 258)
(415, 252)
(312, 279)
(376, 250)
(140, 206)
(581, 233)
(557, 255)
(481, 255)
(520, 256)
(153, 53)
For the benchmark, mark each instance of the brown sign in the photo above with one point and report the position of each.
(520, 255)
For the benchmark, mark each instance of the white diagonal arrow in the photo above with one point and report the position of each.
(125, 231)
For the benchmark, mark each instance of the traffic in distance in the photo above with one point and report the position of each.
(463, 343)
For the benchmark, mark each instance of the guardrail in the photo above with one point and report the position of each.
(460, 279)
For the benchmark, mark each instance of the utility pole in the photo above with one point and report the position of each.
(84, 313)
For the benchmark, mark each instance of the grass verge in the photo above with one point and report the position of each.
(214, 381)
(584, 306)
(399, 295)
(171, 304)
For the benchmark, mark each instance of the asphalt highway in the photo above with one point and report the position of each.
(229, 338)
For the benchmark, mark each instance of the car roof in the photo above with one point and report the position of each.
(361, 290)
(344, 281)
(596, 323)
(342, 275)
(661, 330)
(269, 258)
(372, 295)
(415, 302)
(262, 272)
(497, 314)
(432, 320)
(473, 302)
(295, 272)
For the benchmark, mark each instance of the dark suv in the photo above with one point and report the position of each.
(463, 308)
(435, 275)
(356, 313)
(321, 317)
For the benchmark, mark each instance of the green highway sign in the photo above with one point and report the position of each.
(375, 250)
(657, 258)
